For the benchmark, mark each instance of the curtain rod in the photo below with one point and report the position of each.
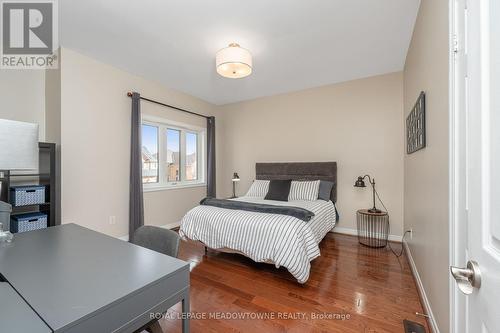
(129, 94)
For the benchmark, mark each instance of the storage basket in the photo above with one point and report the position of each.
(28, 222)
(27, 195)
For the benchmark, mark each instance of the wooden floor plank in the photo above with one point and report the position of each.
(374, 288)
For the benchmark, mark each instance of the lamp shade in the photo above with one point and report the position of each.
(234, 62)
(360, 182)
(236, 178)
(18, 145)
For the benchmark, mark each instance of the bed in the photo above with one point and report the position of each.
(276, 239)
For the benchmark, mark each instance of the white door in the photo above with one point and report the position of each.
(477, 166)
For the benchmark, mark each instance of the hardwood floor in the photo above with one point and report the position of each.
(371, 289)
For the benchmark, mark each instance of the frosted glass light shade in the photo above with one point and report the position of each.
(234, 62)
(18, 145)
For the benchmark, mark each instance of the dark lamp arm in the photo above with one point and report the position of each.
(372, 182)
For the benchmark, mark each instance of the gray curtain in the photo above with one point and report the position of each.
(211, 191)
(136, 203)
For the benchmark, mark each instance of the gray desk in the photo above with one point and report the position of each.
(16, 315)
(79, 280)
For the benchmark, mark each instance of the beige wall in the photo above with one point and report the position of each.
(22, 96)
(95, 132)
(356, 123)
(52, 86)
(53, 123)
(426, 171)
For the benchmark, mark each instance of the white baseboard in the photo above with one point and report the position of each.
(166, 226)
(354, 232)
(421, 290)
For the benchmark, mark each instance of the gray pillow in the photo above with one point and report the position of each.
(278, 190)
(325, 189)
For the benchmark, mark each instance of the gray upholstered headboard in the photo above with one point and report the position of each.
(299, 171)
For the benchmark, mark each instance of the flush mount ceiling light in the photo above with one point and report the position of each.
(234, 62)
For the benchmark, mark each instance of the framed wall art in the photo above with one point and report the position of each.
(415, 126)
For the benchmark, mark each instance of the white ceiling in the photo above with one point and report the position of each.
(296, 44)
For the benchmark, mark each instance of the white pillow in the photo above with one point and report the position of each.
(258, 189)
(304, 190)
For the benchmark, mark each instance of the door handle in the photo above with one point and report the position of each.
(467, 278)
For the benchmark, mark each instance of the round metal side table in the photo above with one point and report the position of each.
(373, 228)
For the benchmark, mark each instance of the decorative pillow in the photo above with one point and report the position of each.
(325, 189)
(304, 190)
(258, 189)
(278, 190)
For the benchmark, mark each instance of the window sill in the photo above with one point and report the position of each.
(171, 187)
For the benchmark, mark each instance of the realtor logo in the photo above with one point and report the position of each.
(29, 34)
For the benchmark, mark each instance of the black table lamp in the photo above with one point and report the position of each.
(361, 183)
(235, 179)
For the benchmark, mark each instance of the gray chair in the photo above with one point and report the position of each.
(160, 240)
(157, 239)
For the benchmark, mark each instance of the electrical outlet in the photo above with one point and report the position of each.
(112, 220)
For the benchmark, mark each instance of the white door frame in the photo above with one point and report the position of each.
(457, 229)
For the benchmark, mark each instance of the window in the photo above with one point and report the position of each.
(191, 156)
(149, 154)
(173, 154)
